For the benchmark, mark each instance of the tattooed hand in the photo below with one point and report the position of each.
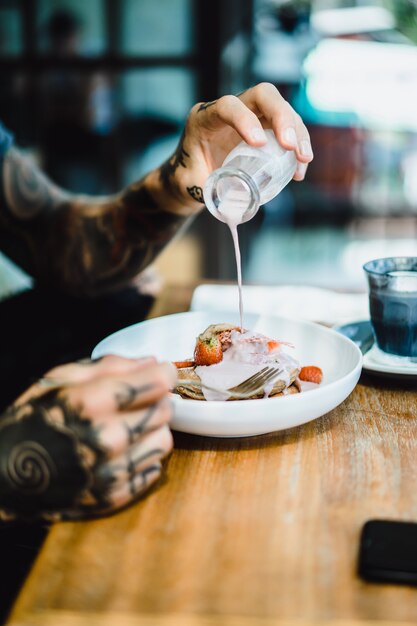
(214, 128)
(90, 446)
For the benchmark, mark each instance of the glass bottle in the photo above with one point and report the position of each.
(248, 178)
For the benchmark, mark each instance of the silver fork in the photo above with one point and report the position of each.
(243, 390)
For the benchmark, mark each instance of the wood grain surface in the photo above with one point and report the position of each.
(245, 532)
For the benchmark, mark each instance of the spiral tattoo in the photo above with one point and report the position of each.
(30, 467)
(43, 467)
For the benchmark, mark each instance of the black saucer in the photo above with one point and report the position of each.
(375, 361)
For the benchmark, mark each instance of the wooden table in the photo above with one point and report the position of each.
(259, 531)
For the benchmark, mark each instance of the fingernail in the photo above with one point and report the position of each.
(258, 134)
(305, 148)
(301, 169)
(290, 136)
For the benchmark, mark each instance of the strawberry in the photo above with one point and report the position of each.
(311, 374)
(208, 351)
(273, 345)
(180, 364)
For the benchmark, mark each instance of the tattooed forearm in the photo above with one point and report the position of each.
(85, 245)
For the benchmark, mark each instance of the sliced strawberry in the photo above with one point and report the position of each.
(208, 351)
(180, 364)
(311, 374)
(273, 345)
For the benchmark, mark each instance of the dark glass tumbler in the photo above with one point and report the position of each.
(393, 303)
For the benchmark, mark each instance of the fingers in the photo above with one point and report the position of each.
(119, 432)
(125, 478)
(231, 110)
(126, 494)
(287, 125)
(136, 487)
(258, 107)
(88, 370)
(304, 143)
(123, 469)
(85, 371)
(131, 391)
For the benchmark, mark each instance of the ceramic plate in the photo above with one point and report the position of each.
(375, 361)
(173, 337)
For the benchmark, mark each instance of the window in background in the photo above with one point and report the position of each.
(87, 26)
(11, 46)
(104, 80)
(145, 92)
(98, 91)
(10, 30)
(151, 121)
(160, 28)
(349, 69)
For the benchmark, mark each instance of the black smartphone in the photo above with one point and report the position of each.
(388, 552)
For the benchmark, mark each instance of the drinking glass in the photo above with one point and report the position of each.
(393, 304)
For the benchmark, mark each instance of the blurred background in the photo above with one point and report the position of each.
(98, 93)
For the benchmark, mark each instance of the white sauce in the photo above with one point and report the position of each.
(249, 352)
(247, 355)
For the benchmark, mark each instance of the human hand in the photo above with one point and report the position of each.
(213, 129)
(89, 446)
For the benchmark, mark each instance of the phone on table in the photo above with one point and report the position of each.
(388, 552)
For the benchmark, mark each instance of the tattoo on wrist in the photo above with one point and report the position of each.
(206, 105)
(177, 160)
(196, 193)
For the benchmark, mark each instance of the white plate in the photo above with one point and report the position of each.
(172, 338)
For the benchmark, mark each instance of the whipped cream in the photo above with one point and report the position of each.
(247, 355)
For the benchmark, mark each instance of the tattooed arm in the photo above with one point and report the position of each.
(87, 245)
(83, 245)
(89, 447)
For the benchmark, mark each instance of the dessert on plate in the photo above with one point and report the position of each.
(226, 355)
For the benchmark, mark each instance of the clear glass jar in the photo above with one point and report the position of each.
(248, 178)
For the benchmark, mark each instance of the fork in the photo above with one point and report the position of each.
(243, 390)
